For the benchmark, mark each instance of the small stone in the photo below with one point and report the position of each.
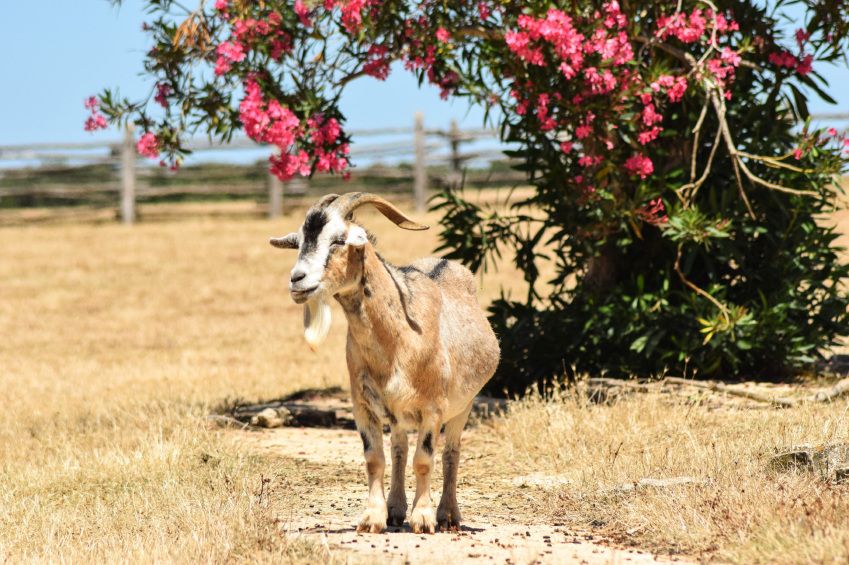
(828, 460)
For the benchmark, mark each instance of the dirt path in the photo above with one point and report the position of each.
(327, 490)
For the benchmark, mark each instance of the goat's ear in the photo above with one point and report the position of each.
(286, 242)
(357, 236)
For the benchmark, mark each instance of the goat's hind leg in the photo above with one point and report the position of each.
(448, 513)
(396, 504)
(371, 432)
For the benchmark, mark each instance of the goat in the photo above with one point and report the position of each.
(419, 349)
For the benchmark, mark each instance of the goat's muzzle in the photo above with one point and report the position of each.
(301, 295)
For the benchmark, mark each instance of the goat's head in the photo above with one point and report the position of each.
(330, 254)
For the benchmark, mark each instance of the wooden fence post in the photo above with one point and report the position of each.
(454, 139)
(455, 177)
(420, 167)
(275, 194)
(128, 177)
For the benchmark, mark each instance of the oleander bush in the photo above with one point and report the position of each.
(679, 183)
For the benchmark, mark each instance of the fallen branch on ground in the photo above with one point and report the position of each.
(836, 391)
(719, 387)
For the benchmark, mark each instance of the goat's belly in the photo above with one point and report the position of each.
(408, 407)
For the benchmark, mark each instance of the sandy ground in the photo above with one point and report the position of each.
(497, 527)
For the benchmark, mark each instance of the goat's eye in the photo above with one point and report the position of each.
(338, 242)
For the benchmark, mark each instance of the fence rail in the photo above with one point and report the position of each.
(437, 156)
(427, 149)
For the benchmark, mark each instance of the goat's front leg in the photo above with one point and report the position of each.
(371, 432)
(397, 501)
(448, 513)
(423, 518)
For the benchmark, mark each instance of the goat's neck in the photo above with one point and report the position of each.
(375, 304)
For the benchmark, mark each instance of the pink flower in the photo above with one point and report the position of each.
(222, 5)
(148, 146)
(797, 153)
(303, 13)
(267, 122)
(688, 30)
(228, 52)
(731, 57)
(280, 45)
(589, 160)
(443, 35)
(163, 90)
(805, 65)
(782, 59)
(233, 51)
(377, 64)
(639, 165)
(96, 120)
(518, 42)
(801, 37)
(582, 132)
(832, 132)
(352, 14)
(324, 132)
(650, 116)
(566, 146)
(653, 213)
(677, 91)
(483, 10)
(286, 165)
(649, 135)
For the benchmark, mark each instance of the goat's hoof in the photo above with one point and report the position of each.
(395, 521)
(448, 525)
(448, 519)
(423, 521)
(397, 512)
(372, 522)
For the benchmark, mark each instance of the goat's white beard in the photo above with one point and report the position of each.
(316, 321)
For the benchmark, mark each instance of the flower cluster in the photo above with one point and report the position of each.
(267, 121)
(639, 165)
(377, 64)
(249, 34)
(801, 63)
(653, 213)
(95, 120)
(148, 146)
(163, 91)
(692, 27)
(594, 57)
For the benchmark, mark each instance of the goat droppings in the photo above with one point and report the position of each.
(316, 321)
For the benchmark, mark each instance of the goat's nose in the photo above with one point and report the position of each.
(298, 275)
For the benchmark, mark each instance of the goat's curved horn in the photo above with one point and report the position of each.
(349, 202)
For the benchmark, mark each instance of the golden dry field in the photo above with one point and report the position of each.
(117, 343)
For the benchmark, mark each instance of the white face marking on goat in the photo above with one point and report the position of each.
(321, 231)
(321, 238)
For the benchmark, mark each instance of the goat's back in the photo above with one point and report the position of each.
(450, 275)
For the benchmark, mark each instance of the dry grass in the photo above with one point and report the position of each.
(117, 342)
(744, 512)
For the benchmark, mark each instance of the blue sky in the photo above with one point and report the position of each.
(56, 52)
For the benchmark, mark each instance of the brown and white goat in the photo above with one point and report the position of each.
(419, 349)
